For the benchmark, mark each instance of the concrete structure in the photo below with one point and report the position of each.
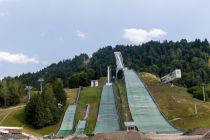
(12, 134)
(109, 76)
(176, 74)
(130, 126)
(28, 89)
(7, 127)
(142, 105)
(119, 61)
(41, 80)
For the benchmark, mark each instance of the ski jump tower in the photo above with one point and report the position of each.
(119, 61)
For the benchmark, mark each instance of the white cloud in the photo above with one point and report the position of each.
(140, 35)
(81, 35)
(16, 58)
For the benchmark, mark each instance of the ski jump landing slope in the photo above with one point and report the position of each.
(68, 121)
(144, 111)
(108, 120)
(80, 128)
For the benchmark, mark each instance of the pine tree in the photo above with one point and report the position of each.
(60, 94)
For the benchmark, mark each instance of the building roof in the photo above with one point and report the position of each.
(129, 124)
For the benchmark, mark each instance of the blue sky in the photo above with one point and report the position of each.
(36, 33)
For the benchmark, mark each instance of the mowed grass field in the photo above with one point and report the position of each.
(178, 105)
(12, 113)
(91, 96)
(15, 116)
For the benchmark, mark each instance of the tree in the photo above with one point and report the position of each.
(42, 109)
(36, 113)
(11, 91)
(155, 57)
(48, 96)
(59, 92)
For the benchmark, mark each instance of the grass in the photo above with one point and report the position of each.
(90, 96)
(11, 113)
(124, 97)
(15, 116)
(71, 95)
(42, 131)
(175, 103)
(120, 105)
(122, 101)
(178, 105)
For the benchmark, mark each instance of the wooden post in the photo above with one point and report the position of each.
(204, 97)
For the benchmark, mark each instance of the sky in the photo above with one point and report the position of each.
(36, 33)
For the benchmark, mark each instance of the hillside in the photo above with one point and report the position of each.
(175, 103)
(154, 57)
(92, 97)
(15, 116)
(178, 105)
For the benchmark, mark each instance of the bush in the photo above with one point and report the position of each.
(197, 92)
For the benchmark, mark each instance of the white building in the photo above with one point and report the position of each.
(176, 74)
(130, 126)
(94, 83)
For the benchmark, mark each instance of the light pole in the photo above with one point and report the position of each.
(41, 80)
(28, 88)
(204, 97)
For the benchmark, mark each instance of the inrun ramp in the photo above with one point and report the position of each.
(68, 122)
(108, 120)
(144, 111)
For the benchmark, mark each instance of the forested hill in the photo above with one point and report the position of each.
(155, 57)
